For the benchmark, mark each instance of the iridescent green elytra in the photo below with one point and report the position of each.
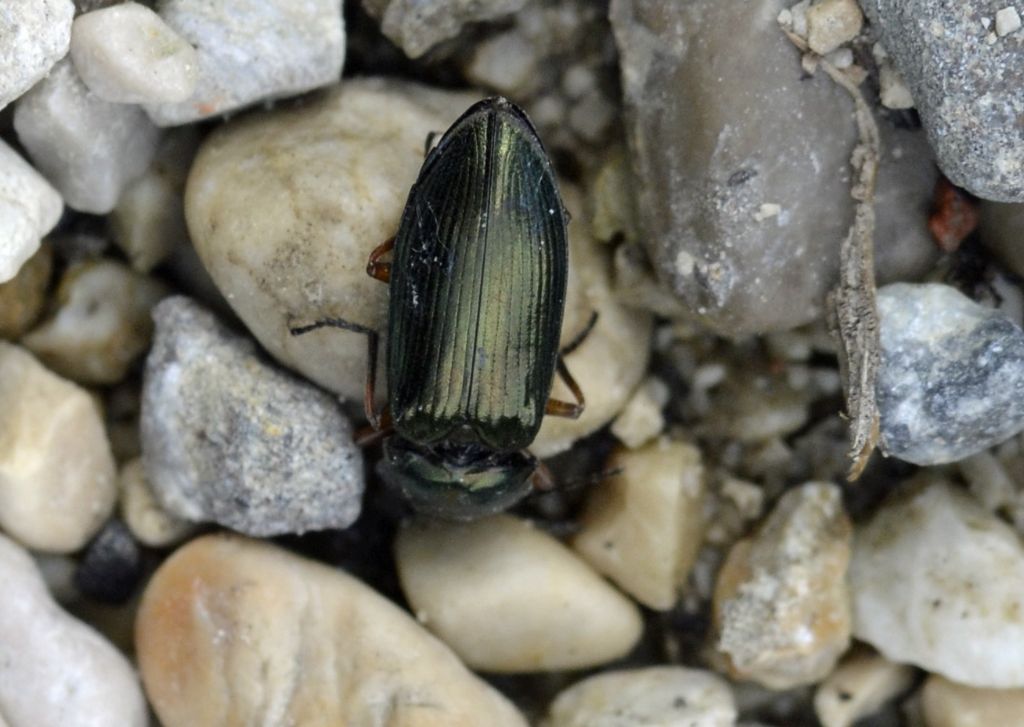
(477, 292)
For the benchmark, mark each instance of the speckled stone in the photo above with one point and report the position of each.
(966, 83)
(226, 437)
(416, 26)
(34, 34)
(951, 380)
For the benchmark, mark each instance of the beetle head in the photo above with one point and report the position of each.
(456, 481)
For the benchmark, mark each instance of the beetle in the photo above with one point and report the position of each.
(477, 284)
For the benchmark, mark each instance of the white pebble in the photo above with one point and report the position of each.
(642, 527)
(56, 671)
(830, 23)
(1007, 21)
(641, 419)
(34, 34)
(510, 598)
(89, 148)
(29, 208)
(781, 602)
(253, 50)
(938, 582)
(57, 478)
(506, 62)
(858, 687)
(667, 696)
(126, 54)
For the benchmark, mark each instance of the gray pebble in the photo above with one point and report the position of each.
(951, 381)
(34, 34)
(87, 147)
(966, 81)
(228, 438)
(417, 26)
(253, 50)
(743, 165)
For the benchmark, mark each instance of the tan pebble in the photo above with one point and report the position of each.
(948, 704)
(668, 696)
(641, 419)
(781, 603)
(57, 476)
(510, 598)
(830, 23)
(149, 522)
(643, 526)
(101, 324)
(23, 297)
(234, 632)
(860, 685)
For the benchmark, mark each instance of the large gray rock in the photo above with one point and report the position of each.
(743, 164)
(951, 380)
(228, 438)
(417, 26)
(965, 79)
(253, 50)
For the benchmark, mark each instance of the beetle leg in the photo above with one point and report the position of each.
(372, 344)
(376, 269)
(542, 480)
(370, 435)
(578, 341)
(431, 135)
(559, 408)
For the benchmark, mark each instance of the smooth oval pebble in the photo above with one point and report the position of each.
(29, 208)
(239, 632)
(126, 54)
(285, 207)
(948, 704)
(510, 598)
(858, 687)
(951, 377)
(57, 476)
(55, 670)
(781, 602)
(939, 582)
(149, 522)
(667, 696)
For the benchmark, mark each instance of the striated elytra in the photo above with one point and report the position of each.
(477, 291)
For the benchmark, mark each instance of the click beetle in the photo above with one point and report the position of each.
(477, 284)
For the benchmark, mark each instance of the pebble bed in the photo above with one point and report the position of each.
(190, 534)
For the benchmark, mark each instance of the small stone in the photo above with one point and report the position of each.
(670, 696)
(89, 148)
(111, 565)
(29, 208)
(831, 23)
(756, 406)
(251, 51)
(934, 562)
(858, 687)
(893, 92)
(510, 598)
(56, 670)
(641, 419)
(416, 27)
(948, 704)
(350, 157)
(148, 521)
(34, 34)
(642, 527)
(22, 299)
(148, 222)
(126, 54)
(506, 62)
(965, 90)
(229, 439)
(101, 323)
(1007, 21)
(781, 603)
(951, 378)
(235, 631)
(57, 477)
